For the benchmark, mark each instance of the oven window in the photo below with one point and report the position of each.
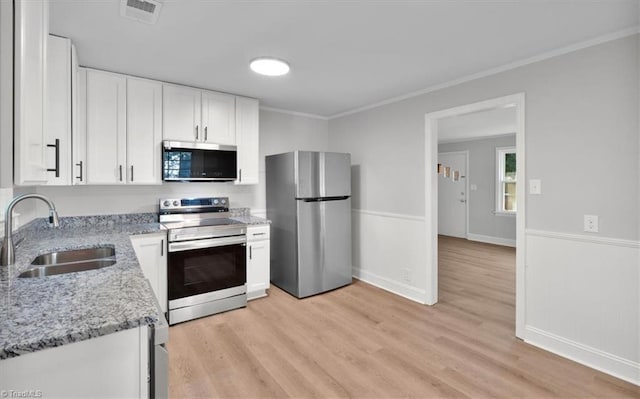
(177, 164)
(201, 271)
(180, 163)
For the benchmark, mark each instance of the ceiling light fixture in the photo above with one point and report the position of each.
(269, 66)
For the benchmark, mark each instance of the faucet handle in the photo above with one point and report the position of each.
(53, 218)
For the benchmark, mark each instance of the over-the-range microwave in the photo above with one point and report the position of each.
(198, 162)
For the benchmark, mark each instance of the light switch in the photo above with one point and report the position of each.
(535, 187)
(591, 223)
(473, 187)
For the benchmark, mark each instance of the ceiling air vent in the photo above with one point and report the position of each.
(146, 11)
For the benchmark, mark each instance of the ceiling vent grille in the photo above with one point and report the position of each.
(146, 11)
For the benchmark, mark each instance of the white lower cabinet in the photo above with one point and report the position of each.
(111, 366)
(152, 255)
(258, 263)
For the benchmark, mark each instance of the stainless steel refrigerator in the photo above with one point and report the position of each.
(309, 205)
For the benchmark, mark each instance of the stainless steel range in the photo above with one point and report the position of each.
(207, 271)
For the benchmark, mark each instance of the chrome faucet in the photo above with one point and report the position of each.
(7, 254)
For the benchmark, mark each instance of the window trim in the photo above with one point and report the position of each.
(499, 204)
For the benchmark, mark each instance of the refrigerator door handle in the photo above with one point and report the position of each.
(321, 199)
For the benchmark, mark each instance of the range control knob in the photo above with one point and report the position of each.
(215, 201)
(176, 203)
(166, 203)
(224, 201)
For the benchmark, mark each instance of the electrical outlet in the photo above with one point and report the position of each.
(406, 275)
(591, 223)
(535, 187)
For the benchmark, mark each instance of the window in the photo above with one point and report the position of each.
(506, 181)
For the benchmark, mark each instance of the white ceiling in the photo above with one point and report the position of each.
(343, 54)
(476, 125)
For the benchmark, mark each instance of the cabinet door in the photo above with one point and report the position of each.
(257, 268)
(181, 113)
(152, 256)
(106, 128)
(31, 32)
(247, 136)
(218, 118)
(57, 117)
(144, 131)
(79, 129)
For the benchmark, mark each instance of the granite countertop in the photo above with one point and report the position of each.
(244, 215)
(42, 312)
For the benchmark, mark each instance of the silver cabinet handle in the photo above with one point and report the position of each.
(57, 147)
(120, 168)
(131, 172)
(197, 132)
(161, 247)
(240, 175)
(205, 133)
(80, 165)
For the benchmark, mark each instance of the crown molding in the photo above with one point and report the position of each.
(295, 113)
(493, 71)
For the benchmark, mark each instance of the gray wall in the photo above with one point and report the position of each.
(581, 140)
(279, 132)
(482, 173)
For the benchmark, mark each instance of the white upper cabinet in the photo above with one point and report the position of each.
(247, 136)
(106, 128)
(181, 113)
(57, 118)
(198, 115)
(79, 128)
(218, 118)
(31, 32)
(144, 131)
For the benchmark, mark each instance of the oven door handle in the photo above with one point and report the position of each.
(208, 243)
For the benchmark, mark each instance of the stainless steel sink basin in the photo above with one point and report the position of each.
(75, 255)
(63, 268)
(72, 261)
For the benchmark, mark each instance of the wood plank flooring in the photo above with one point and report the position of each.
(363, 342)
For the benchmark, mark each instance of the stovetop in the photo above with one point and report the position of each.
(205, 222)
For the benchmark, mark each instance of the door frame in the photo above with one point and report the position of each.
(431, 197)
(466, 184)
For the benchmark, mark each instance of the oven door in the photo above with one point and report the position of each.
(198, 162)
(203, 266)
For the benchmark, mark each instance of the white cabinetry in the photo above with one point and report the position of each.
(106, 127)
(152, 256)
(198, 115)
(144, 131)
(60, 71)
(109, 366)
(122, 129)
(258, 263)
(247, 136)
(31, 32)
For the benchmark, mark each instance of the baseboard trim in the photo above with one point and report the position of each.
(608, 363)
(387, 284)
(491, 240)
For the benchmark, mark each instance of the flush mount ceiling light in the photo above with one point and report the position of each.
(269, 66)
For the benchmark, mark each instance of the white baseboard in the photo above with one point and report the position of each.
(387, 284)
(491, 240)
(591, 357)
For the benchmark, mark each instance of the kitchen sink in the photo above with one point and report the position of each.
(75, 255)
(72, 261)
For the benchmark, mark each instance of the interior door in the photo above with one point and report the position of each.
(452, 196)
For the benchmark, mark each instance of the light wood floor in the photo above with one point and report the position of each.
(361, 341)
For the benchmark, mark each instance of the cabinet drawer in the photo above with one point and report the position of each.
(257, 233)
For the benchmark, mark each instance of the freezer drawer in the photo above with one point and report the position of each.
(324, 245)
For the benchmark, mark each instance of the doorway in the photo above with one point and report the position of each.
(452, 195)
(432, 194)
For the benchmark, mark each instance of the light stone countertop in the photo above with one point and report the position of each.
(43, 312)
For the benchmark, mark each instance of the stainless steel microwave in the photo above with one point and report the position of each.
(191, 161)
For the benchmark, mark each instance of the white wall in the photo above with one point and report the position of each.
(484, 223)
(279, 132)
(581, 140)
